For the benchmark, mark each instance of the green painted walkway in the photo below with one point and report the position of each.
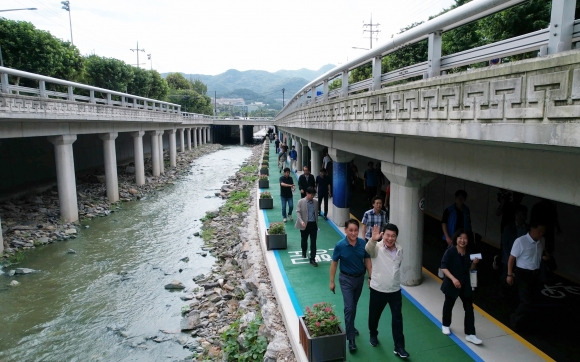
(307, 285)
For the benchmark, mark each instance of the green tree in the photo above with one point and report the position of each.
(108, 73)
(199, 86)
(159, 87)
(178, 81)
(26, 48)
(191, 101)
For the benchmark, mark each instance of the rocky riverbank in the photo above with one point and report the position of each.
(235, 299)
(237, 296)
(34, 219)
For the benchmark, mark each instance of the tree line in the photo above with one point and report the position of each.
(37, 51)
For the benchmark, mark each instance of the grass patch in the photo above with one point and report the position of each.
(238, 202)
(207, 234)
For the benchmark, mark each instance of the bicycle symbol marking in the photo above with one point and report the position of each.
(559, 291)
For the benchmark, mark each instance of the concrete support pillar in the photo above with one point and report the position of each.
(299, 154)
(340, 186)
(172, 148)
(110, 158)
(407, 191)
(139, 159)
(304, 151)
(188, 136)
(65, 176)
(161, 157)
(241, 135)
(195, 137)
(182, 139)
(155, 160)
(316, 159)
(209, 134)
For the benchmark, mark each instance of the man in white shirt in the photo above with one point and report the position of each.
(526, 255)
(385, 284)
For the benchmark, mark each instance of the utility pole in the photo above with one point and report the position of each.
(148, 58)
(370, 30)
(283, 90)
(137, 50)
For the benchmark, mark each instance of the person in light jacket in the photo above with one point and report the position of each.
(307, 223)
(385, 284)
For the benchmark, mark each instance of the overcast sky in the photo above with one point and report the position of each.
(212, 36)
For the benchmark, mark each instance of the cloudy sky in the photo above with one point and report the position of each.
(212, 36)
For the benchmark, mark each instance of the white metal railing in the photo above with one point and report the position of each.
(561, 35)
(49, 87)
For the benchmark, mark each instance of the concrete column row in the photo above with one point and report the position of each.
(407, 190)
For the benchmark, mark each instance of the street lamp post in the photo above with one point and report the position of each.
(66, 6)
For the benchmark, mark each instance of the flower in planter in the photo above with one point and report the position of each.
(265, 195)
(277, 228)
(263, 177)
(321, 320)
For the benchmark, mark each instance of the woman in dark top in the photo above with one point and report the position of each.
(456, 265)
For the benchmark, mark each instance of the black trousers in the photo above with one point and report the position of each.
(325, 198)
(377, 304)
(527, 282)
(312, 231)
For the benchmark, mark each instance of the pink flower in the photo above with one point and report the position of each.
(318, 324)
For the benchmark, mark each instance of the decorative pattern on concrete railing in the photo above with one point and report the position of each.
(535, 93)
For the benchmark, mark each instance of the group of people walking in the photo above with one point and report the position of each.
(378, 255)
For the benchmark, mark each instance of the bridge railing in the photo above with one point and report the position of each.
(53, 88)
(561, 35)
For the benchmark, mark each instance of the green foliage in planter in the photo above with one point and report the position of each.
(253, 346)
(249, 178)
(263, 177)
(265, 195)
(277, 228)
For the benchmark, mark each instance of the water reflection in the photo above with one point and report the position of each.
(107, 301)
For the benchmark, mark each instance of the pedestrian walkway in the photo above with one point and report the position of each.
(297, 284)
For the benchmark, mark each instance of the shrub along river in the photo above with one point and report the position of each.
(101, 296)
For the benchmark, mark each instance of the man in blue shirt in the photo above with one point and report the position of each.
(354, 261)
(293, 156)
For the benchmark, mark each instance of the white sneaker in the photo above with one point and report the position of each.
(445, 330)
(473, 339)
(290, 217)
(284, 219)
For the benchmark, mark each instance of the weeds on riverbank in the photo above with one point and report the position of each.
(241, 344)
(238, 202)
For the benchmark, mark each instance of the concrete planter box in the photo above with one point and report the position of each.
(276, 241)
(266, 203)
(264, 184)
(264, 171)
(325, 348)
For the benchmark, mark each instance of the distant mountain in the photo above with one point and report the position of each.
(258, 85)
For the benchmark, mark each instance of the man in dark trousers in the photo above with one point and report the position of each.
(306, 221)
(323, 190)
(305, 181)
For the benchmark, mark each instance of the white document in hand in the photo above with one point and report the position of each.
(473, 256)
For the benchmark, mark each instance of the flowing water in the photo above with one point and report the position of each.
(107, 301)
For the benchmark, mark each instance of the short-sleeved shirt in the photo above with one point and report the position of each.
(286, 191)
(528, 253)
(293, 154)
(351, 257)
(458, 265)
(371, 218)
